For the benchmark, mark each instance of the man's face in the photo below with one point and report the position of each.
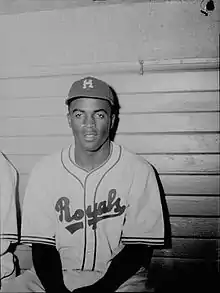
(90, 120)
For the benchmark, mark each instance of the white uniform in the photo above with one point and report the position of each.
(89, 216)
(8, 217)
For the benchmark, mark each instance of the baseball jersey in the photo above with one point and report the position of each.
(8, 215)
(90, 216)
(8, 218)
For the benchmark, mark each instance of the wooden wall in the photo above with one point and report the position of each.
(171, 118)
(169, 115)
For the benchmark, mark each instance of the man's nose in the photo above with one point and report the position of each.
(89, 121)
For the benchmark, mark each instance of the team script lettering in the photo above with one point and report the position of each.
(100, 211)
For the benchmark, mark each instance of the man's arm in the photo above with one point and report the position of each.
(48, 267)
(124, 265)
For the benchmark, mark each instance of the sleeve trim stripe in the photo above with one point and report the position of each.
(37, 241)
(143, 242)
(38, 237)
(158, 241)
(9, 236)
(144, 238)
(31, 239)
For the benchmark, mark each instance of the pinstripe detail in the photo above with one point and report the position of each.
(70, 166)
(69, 170)
(97, 186)
(84, 193)
(73, 163)
(85, 222)
(94, 170)
(85, 227)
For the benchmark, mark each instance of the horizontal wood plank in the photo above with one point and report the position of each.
(191, 184)
(177, 143)
(191, 248)
(130, 103)
(183, 275)
(124, 67)
(186, 265)
(185, 101)
(143, 144)
(193, 205)
(195, 227)
(164, 163)
(185, 163)
(133, 123)
(122, 83)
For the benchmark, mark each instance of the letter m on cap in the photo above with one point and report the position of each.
(87, 83)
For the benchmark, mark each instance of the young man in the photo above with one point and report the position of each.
(8, 219)
(92, 212)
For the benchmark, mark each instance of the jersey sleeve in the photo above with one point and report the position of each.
(144, 223)
(38, 220)
(8, 211)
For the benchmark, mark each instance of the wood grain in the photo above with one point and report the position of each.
(140, 143)
(123, 83)
(170, 118)
(130, 103)
(197, 206)
(133, 123)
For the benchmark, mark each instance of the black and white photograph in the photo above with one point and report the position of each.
(109, 146)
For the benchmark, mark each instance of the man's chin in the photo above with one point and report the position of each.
(91, 147)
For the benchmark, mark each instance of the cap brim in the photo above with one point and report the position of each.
(69, 99)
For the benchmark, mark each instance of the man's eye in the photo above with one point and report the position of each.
(100, 115)
(78, 114)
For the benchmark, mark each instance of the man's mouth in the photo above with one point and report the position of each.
(89, 136)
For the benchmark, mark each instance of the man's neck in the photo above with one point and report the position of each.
(91, 160)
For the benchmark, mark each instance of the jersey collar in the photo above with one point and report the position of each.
(69, 164)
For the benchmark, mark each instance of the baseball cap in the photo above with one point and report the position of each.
(90, 87)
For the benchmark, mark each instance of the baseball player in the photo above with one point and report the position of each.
(92, 211)
(8, 218)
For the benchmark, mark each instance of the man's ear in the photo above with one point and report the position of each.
(112, 120)
(69, 119)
